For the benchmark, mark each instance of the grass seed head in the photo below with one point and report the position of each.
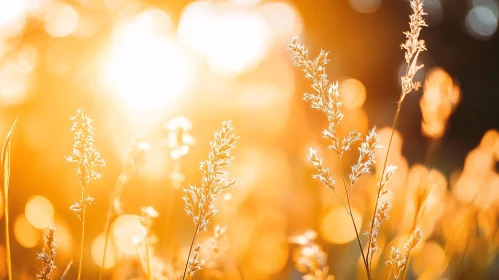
(47, 256)
(200, 201)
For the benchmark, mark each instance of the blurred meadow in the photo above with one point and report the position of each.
(158, 78)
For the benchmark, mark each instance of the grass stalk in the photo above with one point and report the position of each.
(169, 210)
(146, 266)
(169, 214)
(353, 220)
(139, 257)
(118, 190)
(380, 188)
(7, 237)
(432, 151)
(148, 259)
(190, 251)
(66, 270)
(107, 232)
(86, 155)
(239, 270)
(135, 158)
(469, 239)
(404, 271)
(80, 263)
(6, 181)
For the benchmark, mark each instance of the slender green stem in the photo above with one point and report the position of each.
(394, 125)
(190, 251)
(353, 220)
(83, 207)
(7, 236)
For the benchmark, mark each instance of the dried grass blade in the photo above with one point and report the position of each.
(6, 180)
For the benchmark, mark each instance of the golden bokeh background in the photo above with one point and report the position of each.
(134, 66)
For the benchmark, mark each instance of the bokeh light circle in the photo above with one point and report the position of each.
(14, 83)
(245, 2)
(283, 19)
(145, 67)
(125, 229)
(12, 17)
(25, 234)
(352, 93)
(39, 212)
(271, 253)
(336, 226)
(481, 22)
(159, 20)
(61, 20)
(64, 237)
(365, 6)
(431, 258)
(27, 57)
(230, 40)
(98, 252)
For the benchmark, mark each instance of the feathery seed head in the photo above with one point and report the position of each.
(47, 256)
(413, 44)
(84, 153)
(413, 240)
(306, 238)
(390, 170)
(326, 97)
(308, 257)
(322, 172)
(381, 214)
(366, 156)
(77, 206)
(395, 255)
(347, 142)
(398, 258)
(195, 263)
(200, 201)
(215, 249)
(413, 47)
